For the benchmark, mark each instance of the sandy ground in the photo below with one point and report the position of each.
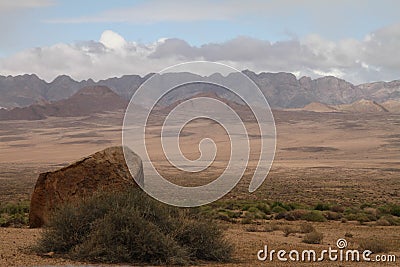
(343, 158)
(16, 245)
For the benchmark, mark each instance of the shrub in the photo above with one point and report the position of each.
(314, 216)
(391, 220)
(322, 207)
(384, 209)
(264, 208)
(306, 228)
(331, 215)
(278, 209)
(361, 217)
(14, 214)
(251, 228)
(247, 220)
(382, 222)
(281, 215)
(131, 227)
(313, 238)
(287, 230)
(13, 220)
(391, 209)
(295, 215)
(204, 241)
(223, 216)
(375, 245)
(255, 213)
(295, 206)
(280, 204)
(337, 208)
(348, 235)
(395, 210)
(270, 227)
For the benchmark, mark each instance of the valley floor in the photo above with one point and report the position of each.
(342, 158)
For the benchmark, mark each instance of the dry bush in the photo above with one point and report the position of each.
(375, 245)
(131, 227)
(287, 230)
(313, 238)
(306, 228)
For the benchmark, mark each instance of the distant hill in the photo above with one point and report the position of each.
(392, 106)
(319, 107)
(87, 101)
(283, 90)
(360, 106)
(363, 106)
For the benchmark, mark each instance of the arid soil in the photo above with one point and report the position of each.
(343, 158)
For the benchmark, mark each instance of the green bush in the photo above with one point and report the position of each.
(314, 216)
(255, 213)
(282, 205)
(322, 206)
(395, 210)
(131, 227)
(14, 214)
(278, 209)
(264, 208)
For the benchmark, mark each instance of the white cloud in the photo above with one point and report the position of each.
(373, 58)
(112, 40)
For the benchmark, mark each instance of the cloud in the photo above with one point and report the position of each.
(112, 40)
(6, 5)
(373, 58)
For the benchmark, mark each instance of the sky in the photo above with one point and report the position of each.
(355, 40)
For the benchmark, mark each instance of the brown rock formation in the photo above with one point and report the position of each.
(104, 170)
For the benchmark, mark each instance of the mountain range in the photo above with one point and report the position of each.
(282, 90)
(87, 101)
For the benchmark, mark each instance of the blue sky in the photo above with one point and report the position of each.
(38, 24)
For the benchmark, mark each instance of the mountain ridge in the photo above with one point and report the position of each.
(282, 89)
(85, 102)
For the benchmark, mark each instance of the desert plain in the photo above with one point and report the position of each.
(348, 159)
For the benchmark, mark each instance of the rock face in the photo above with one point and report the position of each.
(85, 102)
(104, 170)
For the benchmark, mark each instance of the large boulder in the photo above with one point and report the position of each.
(104, 170)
